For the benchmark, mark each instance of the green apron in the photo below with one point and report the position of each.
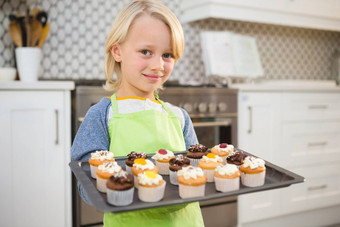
(148, 131)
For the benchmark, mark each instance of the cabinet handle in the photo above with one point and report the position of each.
(317, 144)
(317, 107)
(317, 187)
(250, 119)
(56, 127)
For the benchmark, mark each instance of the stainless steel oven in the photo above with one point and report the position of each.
(214, 115)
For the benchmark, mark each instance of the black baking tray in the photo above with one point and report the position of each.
(276, 177)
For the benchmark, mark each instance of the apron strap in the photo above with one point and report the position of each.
(114, 104)
(167, 109)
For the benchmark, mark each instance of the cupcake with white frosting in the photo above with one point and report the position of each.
(140, 165)
(98, 158)
(191, 182)
(151, 186)
(227, 178)
(253, 172)
(104, 172)
(208, 163)
(162, 158)
(223, 150)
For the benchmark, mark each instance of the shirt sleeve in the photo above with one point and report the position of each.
(189, 133)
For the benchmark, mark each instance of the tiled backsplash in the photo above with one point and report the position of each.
(75, 48)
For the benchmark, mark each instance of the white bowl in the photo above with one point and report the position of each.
(7, 73)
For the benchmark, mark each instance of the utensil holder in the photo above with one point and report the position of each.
(28, 63)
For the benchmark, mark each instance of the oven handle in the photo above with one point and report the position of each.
(211, 123)
(250, 129)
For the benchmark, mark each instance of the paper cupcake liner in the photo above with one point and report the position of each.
(209, 173)
(226, 185)
(253, 180)
(93, 171)
(194, 162)
(135, 181)
(120, 198)
(153, 194)
(186, 191)
(163, 168)
(173, 177)
(101, 184)
(128, 169)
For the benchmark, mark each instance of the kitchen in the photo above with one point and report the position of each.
(293, 56)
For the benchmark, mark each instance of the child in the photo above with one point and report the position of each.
(142, 48)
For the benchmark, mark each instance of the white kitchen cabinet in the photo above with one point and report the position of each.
(35, 136)
(318, 14)
(303, 135)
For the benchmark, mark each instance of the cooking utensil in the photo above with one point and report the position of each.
(28, 28)
(36, 30)
(44, 34)
(15, 33)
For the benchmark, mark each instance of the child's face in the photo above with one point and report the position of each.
(145, 56)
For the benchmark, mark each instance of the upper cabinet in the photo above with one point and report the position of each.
(317, 14)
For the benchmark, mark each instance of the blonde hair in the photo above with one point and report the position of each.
(120, 29)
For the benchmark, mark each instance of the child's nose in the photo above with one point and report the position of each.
(157, 63)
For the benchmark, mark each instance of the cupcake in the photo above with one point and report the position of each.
(162, 158)
(227, 178)
(236, 158)
(104, 172)
(253, 172)
(223, 150)
(196, 152)
(176, 164)
(120, 189)
(131, 157)
(208, 163)
(98, 158)
(140, 165)
(191, 182)
(151, 186)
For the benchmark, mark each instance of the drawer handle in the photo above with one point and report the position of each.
(317, 144)
(317, 187)
(317, 107)
(250, 119)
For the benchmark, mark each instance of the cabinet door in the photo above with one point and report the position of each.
(32, 138)
(259, 123)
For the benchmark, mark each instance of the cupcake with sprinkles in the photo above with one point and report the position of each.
(208, 163)
(104, 172)
(151, 186)
(120, 189)
(196, 152)
(97, 158)
(253, 172)
(140, 165)
(227, 178)
(191, 182)
(162, 158)
(131, 157)
(223, 150)
(176, 164)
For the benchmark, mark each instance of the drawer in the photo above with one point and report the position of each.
(309, 143)
(310, 106)
(321, 189)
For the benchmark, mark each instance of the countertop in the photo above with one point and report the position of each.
(38, 85)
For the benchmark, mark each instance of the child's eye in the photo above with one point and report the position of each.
(145, 52)
(167, 55)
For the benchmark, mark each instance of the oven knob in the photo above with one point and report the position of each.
(222, 107)
(212, 107)
(202, 107)
(188, 107)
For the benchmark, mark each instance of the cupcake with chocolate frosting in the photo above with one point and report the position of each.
(131, 157)
(196, 152)
(120, 189)
(236, 158)
(176, 164)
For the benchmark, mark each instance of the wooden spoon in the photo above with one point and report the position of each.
(36, 31)
(44, 35)
(28, 28)
(15, 33)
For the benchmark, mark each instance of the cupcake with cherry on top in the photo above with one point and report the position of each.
(131, 157)
(196, 152)
(140, 165)
(97, 158)
(162, 158)
(208, 163)
(223, 150)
